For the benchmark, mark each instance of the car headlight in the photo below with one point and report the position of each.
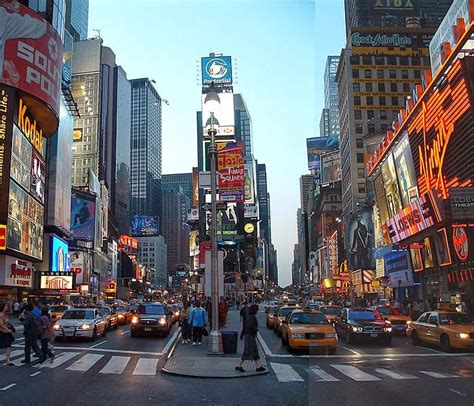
(120, 316)
(357, 329)
(86, 327)
(162, 321)
(56, 327)
(387, 329)
(330, 335)
(176, 313)
(134, 320)
(462, 335)
(408, 322)
(297, 335)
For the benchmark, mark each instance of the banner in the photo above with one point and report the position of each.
(231, 179)
(317, 146)
(330, 167)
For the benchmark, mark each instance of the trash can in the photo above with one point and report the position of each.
(229, 341)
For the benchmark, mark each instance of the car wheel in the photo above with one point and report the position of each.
(94, 334)
(104, 333)
(445, 344)
(414, 338)
(349, 338)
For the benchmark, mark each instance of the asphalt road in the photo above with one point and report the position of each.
(121, 370)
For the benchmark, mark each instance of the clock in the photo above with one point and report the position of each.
(248, 228)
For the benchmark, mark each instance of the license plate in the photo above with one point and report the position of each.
(313, 344)
(147, 329)
(400, 327)
(374, 335)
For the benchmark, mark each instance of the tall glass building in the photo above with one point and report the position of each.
(145, 148)
(244, 122)
(77, 18)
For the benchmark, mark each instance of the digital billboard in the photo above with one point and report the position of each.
(361, 241)
(249, 185)
(217, 70)
(405, 170)
(330, 167)
(231, 179)
(59, 255)
(145, 225)
(38, 177)
(427, 254)
(57, 280)
(22, 151)
(392, 193)
(316, 146)
(224, 120)
(32, 60)
(83, 208)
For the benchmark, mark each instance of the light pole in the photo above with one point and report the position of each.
(215, 342)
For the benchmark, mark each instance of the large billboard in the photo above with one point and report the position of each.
(224, 120)
(59, 255)
(330, 167)
(83, 211)
(392, 193)
(31, 60)
(361, 241)
(405, 170)
(316, 146)
(145, 225)
(249, 184)
(217, 70)
(231, 179)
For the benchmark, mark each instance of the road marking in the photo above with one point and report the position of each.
(264, 345)
(146, 366)
(391, 374)
(365, 355)
(13, 354)
(438, 375)
(35, 373)
(322, 375)
(124, 332)
(435, 351)
(351, 350)
(58, 360)
(457, 392)
(85, 363)
(110, 350)
(171, 341)
(8, 386)
(355, 373)
(286, 373)
(116, 365)
(96, 345)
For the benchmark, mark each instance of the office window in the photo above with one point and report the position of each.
(357, 100)
(359, 143)
(404, 74)
(380, 74)
(382, 101)
(360, 158)
(383, 115)
(394, 101)
(393, 87)
(356, 87)
(406, 87)
(354, 60)
(379, 60)
(392, 74)
(368, 87)
(358, 114)
(371, 128)
(367, 73)
(370, 114)
(355, 73)
(359, 129)
(370, 101)
(417, 74)
(361, 187)
(391, 60)
(381, 87)
(366, 60)
(360, 173)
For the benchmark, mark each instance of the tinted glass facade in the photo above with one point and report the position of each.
(77, 18)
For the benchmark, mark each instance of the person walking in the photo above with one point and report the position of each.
(46, 335)
(6, 333)
(16, 309)
(244, 313)
(250, 343)
(31, 332)
(198, 320)
(185, 327)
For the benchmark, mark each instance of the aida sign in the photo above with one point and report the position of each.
(394, 5)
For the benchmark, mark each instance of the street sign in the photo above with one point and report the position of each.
(207, 206)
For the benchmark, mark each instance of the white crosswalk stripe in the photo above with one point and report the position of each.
(286, 373)
(395, 375)
(355, 373)
(13, 354)
(116, 365)
(85, 363)
(59, 360)
(322, 375)
(438, 375)
(146, 366)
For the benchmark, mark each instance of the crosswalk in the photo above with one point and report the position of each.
(339, 372)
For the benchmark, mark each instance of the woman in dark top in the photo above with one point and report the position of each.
(250, 342)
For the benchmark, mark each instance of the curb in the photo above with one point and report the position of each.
(173, 343)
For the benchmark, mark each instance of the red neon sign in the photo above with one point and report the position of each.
(461, 243)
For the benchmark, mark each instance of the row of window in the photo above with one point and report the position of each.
(382, 74)
(382, 100)
(381, 87)
(389, 60)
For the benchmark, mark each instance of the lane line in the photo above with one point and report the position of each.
(85, 363)
(124, 332)
(36, 373)
(116, 365)
(263, 344)
(58, 360)
(457, 392)
(171, 341)
(146, 366)
(438, 375)
(322, 375)
(96, 345)
(355, 373)
(286, 373)
(353, 351)
(394, 375)
(431, 349)
(8, 386)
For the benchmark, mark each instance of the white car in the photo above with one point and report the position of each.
(82, 323)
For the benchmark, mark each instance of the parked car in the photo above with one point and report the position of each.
(57, 311)
(110, 316)
(123, 314)
(398, 321)
(80, 323)
(447, 329)
(361, 323)
(151, 318)
(281, 315)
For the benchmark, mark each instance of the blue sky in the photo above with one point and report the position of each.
(279, 49)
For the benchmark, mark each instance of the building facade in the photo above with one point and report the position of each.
(244, 122)
(152, 253)
(185, 180)
(77, 18)
(331, 96)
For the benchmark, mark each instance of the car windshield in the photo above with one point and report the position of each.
(308, 318)
(285, 311)
(386, 311)
(455, 319)
(366, 315)
(121, 309)
(331, 310)
(151, 309)
(58, 309)
(274, 310)
(78, 315)
(104, 311)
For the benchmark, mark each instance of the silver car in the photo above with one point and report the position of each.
(80, 323)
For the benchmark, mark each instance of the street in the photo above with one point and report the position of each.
(121, 370)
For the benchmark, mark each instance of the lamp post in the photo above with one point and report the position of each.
(215, 342)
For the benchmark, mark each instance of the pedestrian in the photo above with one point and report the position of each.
(31, 332)
(16, 309)
(244, 313)
(250, 343)
(6, 333)
(198, 320)
(47, 335)
(37, 310)
(185, 327)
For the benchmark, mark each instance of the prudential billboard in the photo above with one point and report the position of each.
(217, 69)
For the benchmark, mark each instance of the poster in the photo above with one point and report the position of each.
(390, 182)
(416, 259)
(330, 167)
(442, 247)
(38, 177)
(249, 186)
(83, 218)
(317, 146)
(405, 170)
(145, 225)
(231, 179)
(21, 159)
(427, 254)
(361, 241)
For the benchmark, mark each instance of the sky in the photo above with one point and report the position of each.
(279, 48)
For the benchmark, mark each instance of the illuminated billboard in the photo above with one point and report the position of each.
(145, 225)
(317, 146)
(224, 120)
(59, 255)
(231, 179)
(217, 70)
(405, 171)
(330, 167)
(361, 241)
(390, 182)
(249, 185)
(83, 208)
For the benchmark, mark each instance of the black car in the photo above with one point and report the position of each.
(151, 318)
(361, 323)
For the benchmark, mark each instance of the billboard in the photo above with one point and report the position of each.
(224, 120)
(249, 184)
(195, 202)
(38, 177)
(83, 209)
(405, 170)
(392, 193)
(59, 255)
(16, 273)
(231, 180)
(57, 281)
(330, 167)
(217, 70)
(361, 241)
(32, 59)
(317, 146)
(145, 225)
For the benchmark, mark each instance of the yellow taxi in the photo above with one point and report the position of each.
(398, 321)
(281, 315)
(447, 329)
(308, 329)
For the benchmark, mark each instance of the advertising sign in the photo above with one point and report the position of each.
(462, 203)
(57, 280)
(405, 170)
(59, 255)
(32, 58)
(224, 120)
(317, 146)
(21, 159)
(6, 122)
(217, 70)
(361, 241)
(194, 243)
(392, 193)
(231, 180)
(250, 211)
(83, 207)
(427, 254)
(195, 201)
(442, 247)
(330, 167)
(145, 225)
(38, 177)
(396, 261)
(249, 184)
(17, 273)
(333, 259)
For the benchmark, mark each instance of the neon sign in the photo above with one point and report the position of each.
(461, 243)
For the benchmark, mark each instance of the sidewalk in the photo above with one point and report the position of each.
(195, 361)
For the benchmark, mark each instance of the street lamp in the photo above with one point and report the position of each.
(212, 100)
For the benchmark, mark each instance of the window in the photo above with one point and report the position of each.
(381, 87)
(383, 115)
(424, 317)
(360, 158)
(433, 319)
(358, 114)
(393, 87)
(367, 73)
(354, 60)
(406, 87)
(415, 60)
(368, 87)
(404, 60)
(370, 101)
(371, 128)
(394, 101)
(380, 74)
(382, 101)
(359, 129)
(417, 74)
(391, 60)
(357, 100)
(404, 74)
(355, 73)
(392, 74)
(360, 173)
(370, 114)
(356, 87)
(361, 187)
(359, 143)
(366, 60)
(380, 60)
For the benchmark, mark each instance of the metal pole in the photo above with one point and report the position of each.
(215, 335)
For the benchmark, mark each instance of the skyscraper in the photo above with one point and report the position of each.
(77, 18)
(264, 202)
(145, 148)
(331, 95)
(244, 122)
(185, 180)
(324, 123)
